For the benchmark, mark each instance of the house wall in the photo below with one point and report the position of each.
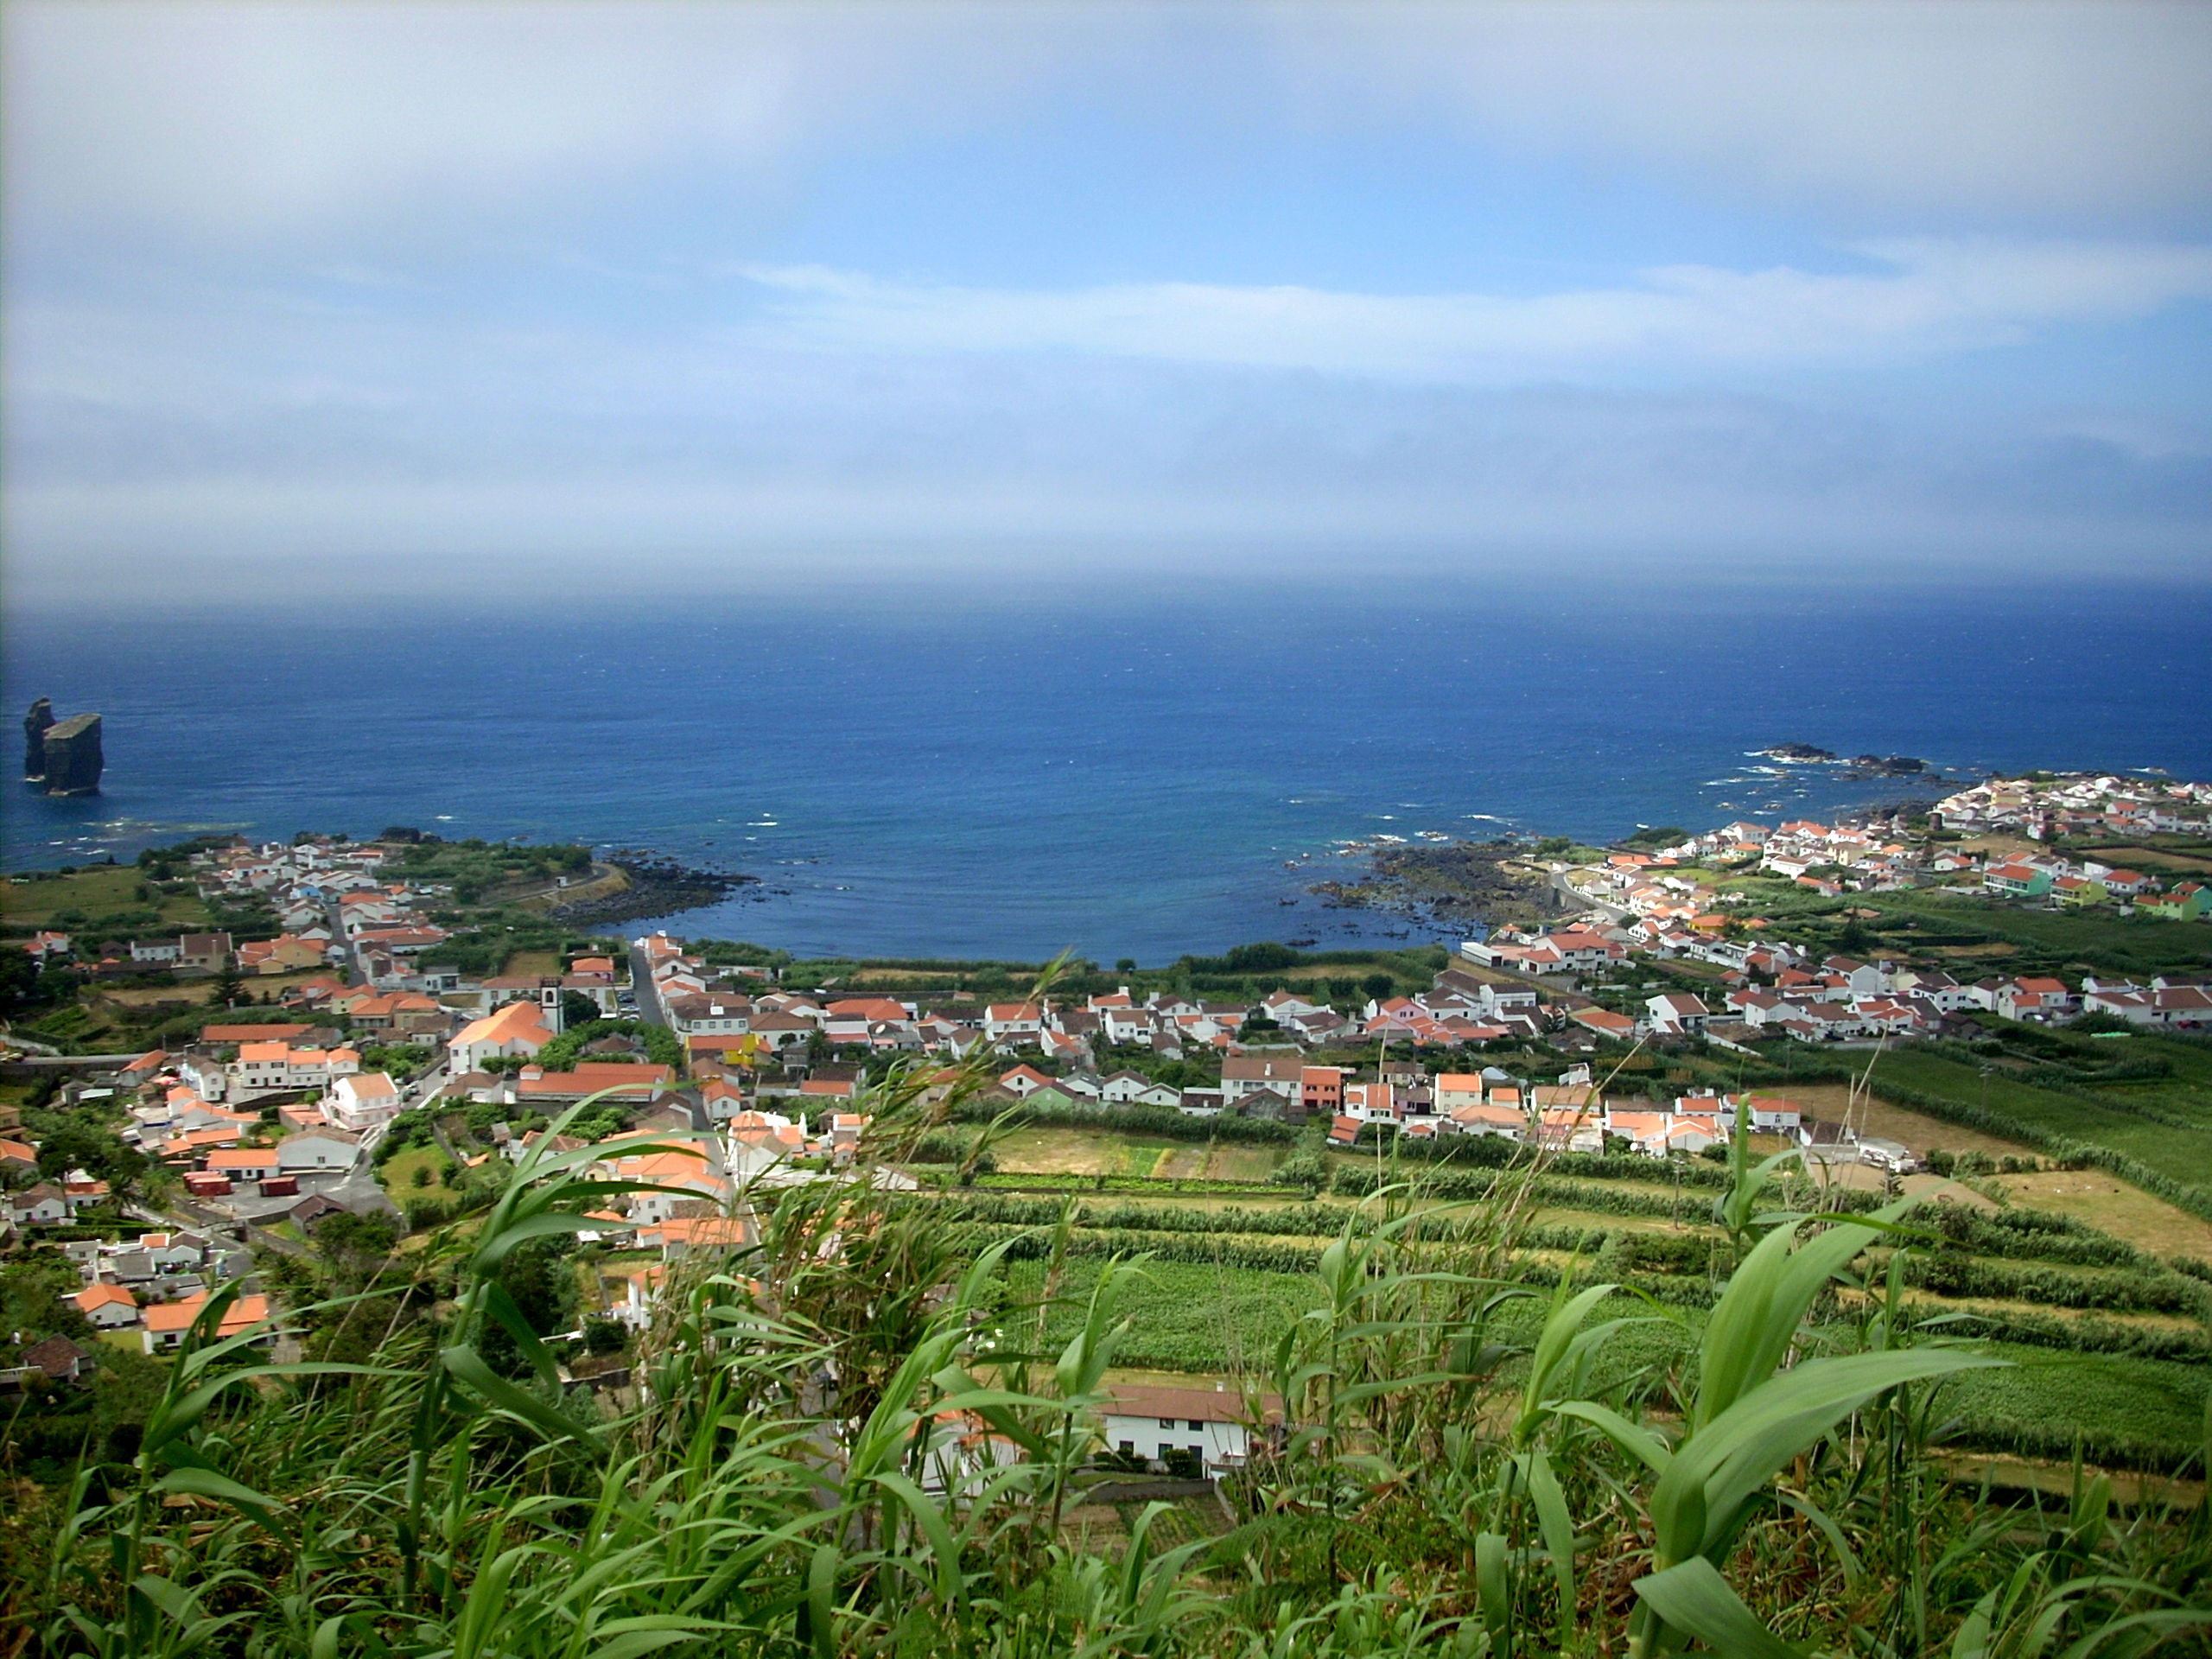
(1223, 1444)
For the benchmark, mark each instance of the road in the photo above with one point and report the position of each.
(350, 969)
(1582, 900)
(642, 988)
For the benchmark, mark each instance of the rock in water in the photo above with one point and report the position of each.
(34, 728)
(73, 756)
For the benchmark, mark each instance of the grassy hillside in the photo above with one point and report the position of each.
(2173, 1139)
(847, 1441)
(98, 902)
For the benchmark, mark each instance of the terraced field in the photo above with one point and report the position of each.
(2110, 1345)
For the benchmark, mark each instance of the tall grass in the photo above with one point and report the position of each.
(844, 1441)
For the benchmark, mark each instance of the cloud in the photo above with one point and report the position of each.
(202, 118)
(1933, 297)
(295, 286)
(1966, 112)
(266, 449)
(252, 119)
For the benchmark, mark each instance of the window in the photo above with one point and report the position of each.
(1197, 1425)
(1167, 1422)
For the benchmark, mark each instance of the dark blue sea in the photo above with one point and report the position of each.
(1126, 772)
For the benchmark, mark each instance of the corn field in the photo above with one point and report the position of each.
(871, 1435)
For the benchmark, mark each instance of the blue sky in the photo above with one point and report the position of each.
(722, 294)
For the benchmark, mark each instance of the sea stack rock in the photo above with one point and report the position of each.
(34, 729)
(73, 756)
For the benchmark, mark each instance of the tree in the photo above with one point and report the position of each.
(227, 985)
(577, 1009)
(35, 1288)
(72, 1145)
(1264, 957)
(352, 1249)
(18, 978)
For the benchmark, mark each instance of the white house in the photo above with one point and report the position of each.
(1246, 1074)
(362, 1102)
(108, 1307)
(516, 1029)
(1131, 1089)
(42, 1204)
(1678, 1013)
(205, 1075)
(316, 1153)
(261, 1067)
(1205, 1427)
(1126, 1024)
(709, 1015)
(1770, 1114)
(1015, 1022)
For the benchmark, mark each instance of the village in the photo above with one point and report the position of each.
(714, 1083)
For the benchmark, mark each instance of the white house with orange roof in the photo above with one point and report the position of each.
(108, 1307)
(1452, 1089)
(757, 1141)
(1013, 1022)
(262, 1067)
(518, 1030)
(1370, 1103)
(1488, 1117)
(244, 1165)
(167, 1322)
(687, 1170)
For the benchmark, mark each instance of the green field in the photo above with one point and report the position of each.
(1914, 922)
(397, 1174)
(1078, 1151)
(2178, 1150)
(96, 902)
(1224, 1283)
(1189, 1318)
(2142, 946)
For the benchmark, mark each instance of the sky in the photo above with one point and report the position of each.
(519, 298)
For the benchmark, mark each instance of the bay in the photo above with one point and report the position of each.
(1123, 770)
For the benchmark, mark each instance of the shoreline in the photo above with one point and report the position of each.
(1455, 884)
(654, 886)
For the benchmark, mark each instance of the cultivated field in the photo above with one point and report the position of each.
(1077, 1152)
(99, 891)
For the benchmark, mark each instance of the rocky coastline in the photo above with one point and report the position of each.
(1454, 884)
(653, 885)
(1853, 766)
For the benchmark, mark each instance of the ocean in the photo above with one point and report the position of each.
(1123, 772)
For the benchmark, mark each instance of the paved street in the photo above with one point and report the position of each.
(642, 987)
